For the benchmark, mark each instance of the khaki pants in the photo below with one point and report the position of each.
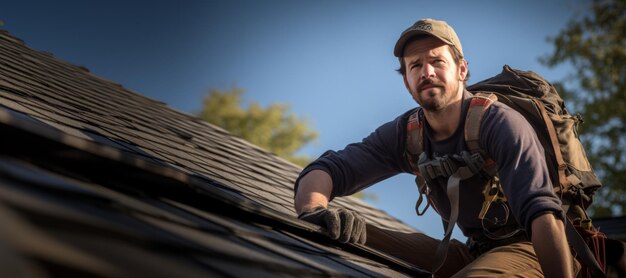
(513, 260)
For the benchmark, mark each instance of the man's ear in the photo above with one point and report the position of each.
(462, 70)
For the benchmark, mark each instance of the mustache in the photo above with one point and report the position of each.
(428, 82)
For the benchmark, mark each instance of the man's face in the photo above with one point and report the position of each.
(432, 77)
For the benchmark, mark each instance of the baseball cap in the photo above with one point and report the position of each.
(436, 28)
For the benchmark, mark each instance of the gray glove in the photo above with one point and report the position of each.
(342, 224)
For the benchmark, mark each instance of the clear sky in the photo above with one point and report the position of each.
(331, 61)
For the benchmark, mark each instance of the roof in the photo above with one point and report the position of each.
(98, 180)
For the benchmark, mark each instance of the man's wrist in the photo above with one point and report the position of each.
(311, 208)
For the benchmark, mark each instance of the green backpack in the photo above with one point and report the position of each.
(570, 171)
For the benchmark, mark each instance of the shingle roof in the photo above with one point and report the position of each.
(96, 179)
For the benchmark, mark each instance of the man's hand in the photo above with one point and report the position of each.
(341, 224)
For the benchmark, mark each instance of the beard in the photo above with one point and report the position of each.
(434, 101)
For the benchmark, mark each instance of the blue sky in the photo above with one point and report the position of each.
(331, 61)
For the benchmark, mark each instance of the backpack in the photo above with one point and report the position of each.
(537, 100)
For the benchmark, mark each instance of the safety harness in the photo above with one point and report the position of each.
(454, 168)
(427, 170)
(462, 166)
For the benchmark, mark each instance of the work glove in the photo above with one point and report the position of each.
(341, 224)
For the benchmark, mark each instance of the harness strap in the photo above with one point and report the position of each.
(453, 195)
(414, 150)
(477, 108)
(415, 140)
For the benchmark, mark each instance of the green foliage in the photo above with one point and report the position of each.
(595, 45)
(274, 128)
(367, 196)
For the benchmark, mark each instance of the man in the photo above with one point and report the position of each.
(522, 236)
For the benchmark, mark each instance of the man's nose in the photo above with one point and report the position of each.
(428, 71)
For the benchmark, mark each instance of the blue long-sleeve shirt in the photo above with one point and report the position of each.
(506, 136)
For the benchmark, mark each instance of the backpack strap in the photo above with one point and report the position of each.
(564, 182)
(415, 152)
(415, 139)
(479, 104)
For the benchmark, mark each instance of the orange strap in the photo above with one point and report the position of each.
(479, 104)
(477, 108)
(415, 139)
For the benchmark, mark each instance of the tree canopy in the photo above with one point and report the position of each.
(595, 46)
(274, 128)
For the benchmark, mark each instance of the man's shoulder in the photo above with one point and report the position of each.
(501, 117)
(500, 109)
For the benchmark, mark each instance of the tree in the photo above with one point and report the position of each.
(274, 128)
(595, 46)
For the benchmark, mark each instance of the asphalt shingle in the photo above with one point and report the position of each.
(122, 185)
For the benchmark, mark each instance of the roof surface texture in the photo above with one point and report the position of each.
(97, 180)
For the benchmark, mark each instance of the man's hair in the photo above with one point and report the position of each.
(456, 56)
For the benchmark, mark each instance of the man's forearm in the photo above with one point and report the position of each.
(314, 190)
(550, 243)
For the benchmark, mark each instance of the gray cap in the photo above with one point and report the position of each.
(436, 28)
